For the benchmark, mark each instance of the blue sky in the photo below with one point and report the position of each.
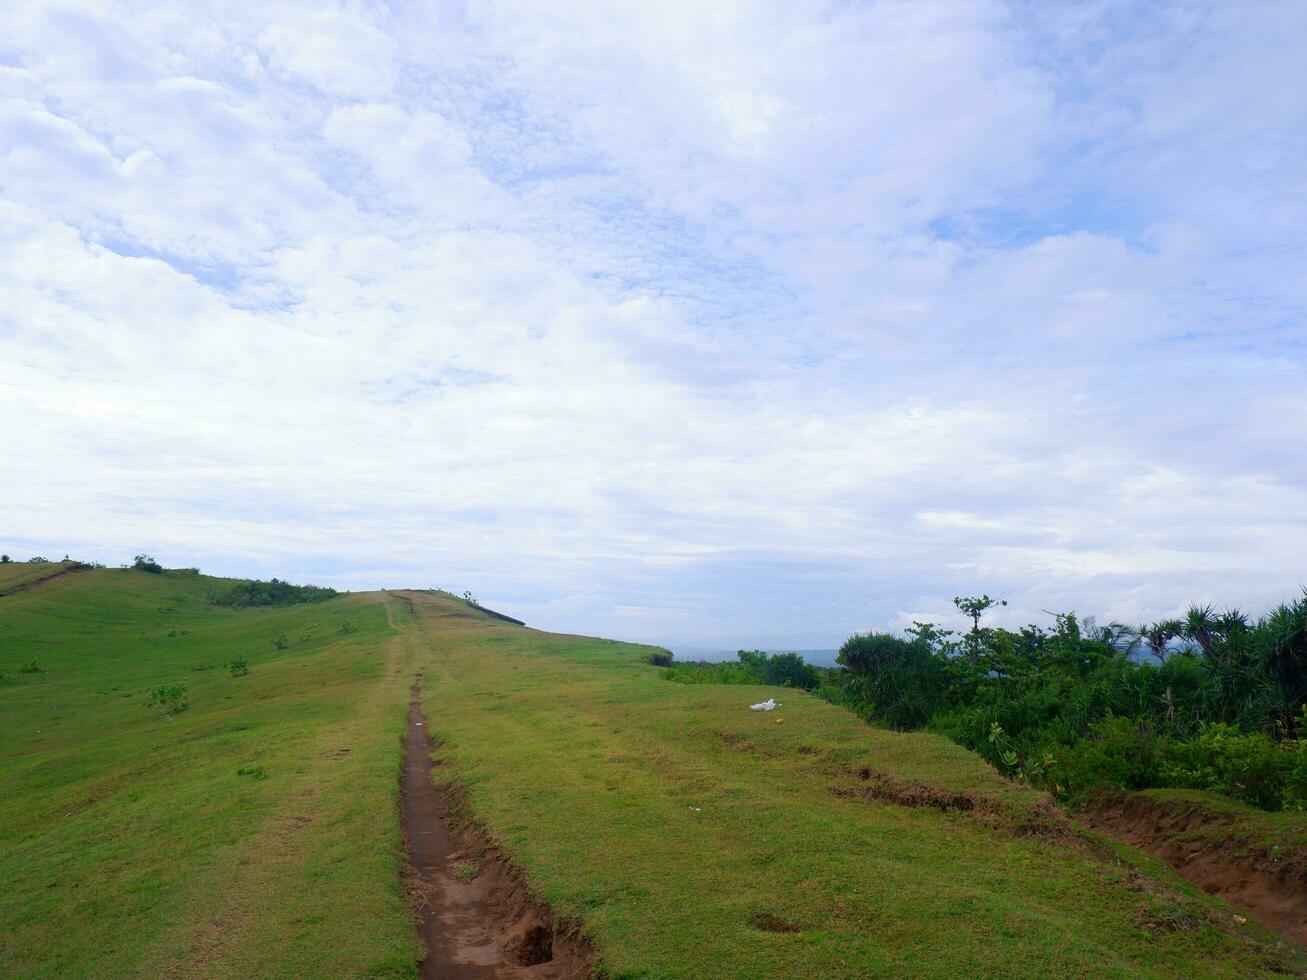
(701, 324)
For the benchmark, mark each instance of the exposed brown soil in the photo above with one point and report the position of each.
(771, 922)
(1249, 875)
(70, 570)
(880, 787)
(476, 915)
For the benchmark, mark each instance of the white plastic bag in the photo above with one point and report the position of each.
(767, 705)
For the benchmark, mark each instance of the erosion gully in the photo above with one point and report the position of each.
(476, 916)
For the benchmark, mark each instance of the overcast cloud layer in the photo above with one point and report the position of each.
(703, 324)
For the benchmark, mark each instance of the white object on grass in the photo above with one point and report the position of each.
(767, 705)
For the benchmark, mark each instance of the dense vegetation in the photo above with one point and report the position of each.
(272, 593)
(1217, 705)
(751, 667)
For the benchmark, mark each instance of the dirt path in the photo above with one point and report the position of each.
(45, 579)
(476, 919)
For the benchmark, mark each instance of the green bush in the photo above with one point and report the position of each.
(780, 669)
(749, 667)
(170, 697)
(1119, 753)
(1249, 767)
(239, 667)
(704, 672)
(900, 681)
(144, 563)
(272, 593)
(661, 658)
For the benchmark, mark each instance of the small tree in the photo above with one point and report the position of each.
(144, 563)
(5, 559)
(281, 641)
(975, 607)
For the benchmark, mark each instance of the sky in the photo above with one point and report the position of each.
(707, 325)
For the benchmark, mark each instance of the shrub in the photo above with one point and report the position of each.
(280, 641)
(254, 772)
(1119, 753)
(144, 563)
(271, 593)
(704, 672)
(899, 680)
(781, 669)
(5, 559)
(38, 560)
(1248, 767)
(661, 658)
(31, 667)
(170, 697)
(346, 627)
(239, 667)
(749, 667)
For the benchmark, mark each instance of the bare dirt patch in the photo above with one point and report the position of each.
(476, 915)
(1204, 847)
(771, 922)
(879, 787)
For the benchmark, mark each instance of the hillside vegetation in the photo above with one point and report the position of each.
(1210, 702)
(193, 789)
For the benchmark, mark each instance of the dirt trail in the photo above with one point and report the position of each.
(476, 918)
(45, 580)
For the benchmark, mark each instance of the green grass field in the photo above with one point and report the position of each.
(18, 575)
(129, 846)
(689, 836)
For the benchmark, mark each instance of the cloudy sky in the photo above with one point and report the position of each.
(702, 324)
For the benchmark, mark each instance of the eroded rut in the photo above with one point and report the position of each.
(476, 916)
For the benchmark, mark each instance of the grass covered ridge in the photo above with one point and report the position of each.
(254, 832)
(693, 837)
(240, 837)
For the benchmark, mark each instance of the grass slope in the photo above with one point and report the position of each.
(129, 846)
(22, 575)
(680, 828)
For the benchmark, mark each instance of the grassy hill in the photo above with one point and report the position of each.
(255, 833)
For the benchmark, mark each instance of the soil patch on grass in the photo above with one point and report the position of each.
(1215, 850)
(476, 915)
(1030, 819)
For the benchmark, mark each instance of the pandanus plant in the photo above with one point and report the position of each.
(1283, 635)
(1157, 636)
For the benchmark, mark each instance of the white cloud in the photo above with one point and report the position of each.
(728, 324)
